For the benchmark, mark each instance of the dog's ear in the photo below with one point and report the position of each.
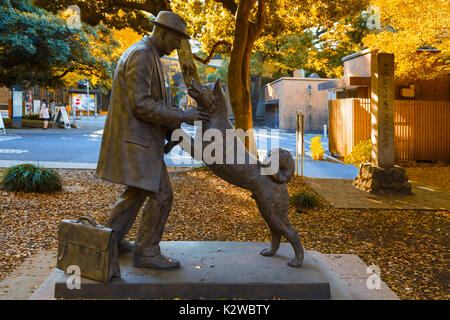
(197, 86)
(218, 87)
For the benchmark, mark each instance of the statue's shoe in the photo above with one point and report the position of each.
(125, 246)
(155, 262)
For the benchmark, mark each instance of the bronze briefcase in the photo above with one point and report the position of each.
(88, 246)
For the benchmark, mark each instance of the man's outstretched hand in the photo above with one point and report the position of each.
(195, 114)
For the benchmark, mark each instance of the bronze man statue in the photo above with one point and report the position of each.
(132, 150)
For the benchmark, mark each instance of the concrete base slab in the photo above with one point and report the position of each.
(47, 289)
(214, 270)
(349, 269)
(353, 273)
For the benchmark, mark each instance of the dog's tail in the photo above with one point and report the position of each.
(286, 165)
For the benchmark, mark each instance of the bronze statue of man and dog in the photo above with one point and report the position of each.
(269, 190)
(139, 121)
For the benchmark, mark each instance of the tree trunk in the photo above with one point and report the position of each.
(239, 68)
(255, 93)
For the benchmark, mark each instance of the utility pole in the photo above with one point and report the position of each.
(300, 133)
(74, 114)
(297, 137)
(302, 119)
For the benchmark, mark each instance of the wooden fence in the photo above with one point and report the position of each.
(422, 128)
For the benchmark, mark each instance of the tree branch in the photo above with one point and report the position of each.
(230, 5)
(260, 16)
(321, 31)
(211, 53)
(152, 6)
(255, 28)
(64, 73)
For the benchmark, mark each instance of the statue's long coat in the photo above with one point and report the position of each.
(138, 119)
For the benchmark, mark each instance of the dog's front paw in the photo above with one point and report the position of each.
(296, 263)
(267, 252)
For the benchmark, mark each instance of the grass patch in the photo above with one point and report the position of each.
(30, 178)
(304, 199)
(203, 167)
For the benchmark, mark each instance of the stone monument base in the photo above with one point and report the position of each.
(215, 270)
(382, 180)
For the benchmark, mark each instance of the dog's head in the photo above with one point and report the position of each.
(207, 99)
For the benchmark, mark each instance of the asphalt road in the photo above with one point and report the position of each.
(82, 145)
(64, 145)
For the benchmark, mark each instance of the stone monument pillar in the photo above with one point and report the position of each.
(382, 109)
(382, 175)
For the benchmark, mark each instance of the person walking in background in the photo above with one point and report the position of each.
(43, 114)
(52, 109)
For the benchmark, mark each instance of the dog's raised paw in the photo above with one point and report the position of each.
(295, 263)
(267, 252)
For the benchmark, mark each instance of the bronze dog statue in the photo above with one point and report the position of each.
(269, 191)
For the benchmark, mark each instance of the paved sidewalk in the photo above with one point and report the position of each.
(29, 276)
(340, 193)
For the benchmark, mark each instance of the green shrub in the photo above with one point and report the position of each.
(30, 178)
(316, 146)
(304, 199)
(360, 153)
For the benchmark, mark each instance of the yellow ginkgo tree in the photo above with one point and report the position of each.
(416, 32)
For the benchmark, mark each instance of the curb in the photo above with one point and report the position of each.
(49, 164)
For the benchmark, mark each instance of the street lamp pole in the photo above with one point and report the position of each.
(74, 114)
(309, 90)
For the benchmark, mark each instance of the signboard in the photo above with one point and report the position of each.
(36, 106)
(2, 125)
(16, 119)
(61, 112)
(65, 117)
(80, 101)
(17, 103)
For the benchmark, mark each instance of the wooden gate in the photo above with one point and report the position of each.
(422, 128)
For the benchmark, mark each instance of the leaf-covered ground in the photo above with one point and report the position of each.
(410, 246)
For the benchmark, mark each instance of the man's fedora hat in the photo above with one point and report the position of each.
(171, 21)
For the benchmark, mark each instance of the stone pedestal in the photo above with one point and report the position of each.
(382, 180)
(382, 176)
(215, 270)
